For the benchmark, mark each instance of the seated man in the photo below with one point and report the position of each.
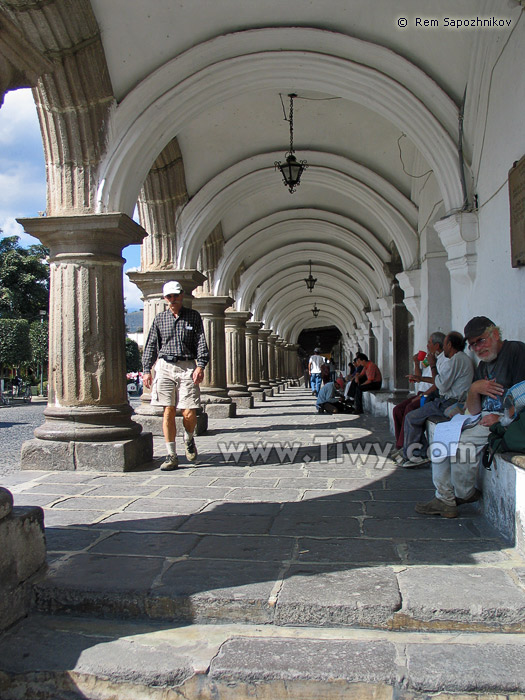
(368, 379)
(502, 365)
(327, 400)
(435, 348)
(453, 383)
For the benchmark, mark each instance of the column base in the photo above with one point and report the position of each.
(118, 456)
(221, 410)
(153, 423)
(244, 400)
(268, 392)
(258, 394)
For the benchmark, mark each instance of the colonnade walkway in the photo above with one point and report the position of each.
(288, 563)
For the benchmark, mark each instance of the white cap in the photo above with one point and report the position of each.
(172, 288)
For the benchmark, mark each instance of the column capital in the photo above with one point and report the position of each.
(237, 319)
(410, 283)
(459, 234)
(265, 333)
(253, 327)
(212, 305)
(150, 282)
(96, 236)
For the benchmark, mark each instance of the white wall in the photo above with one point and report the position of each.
(498, 290)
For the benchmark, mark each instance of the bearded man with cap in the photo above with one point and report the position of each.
(502, 364)
(177, 346)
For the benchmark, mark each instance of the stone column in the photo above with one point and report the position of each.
(236, 381)
(279, 356)
(272, 364)
(214, 394)
(253, 376)
(264, 333)
(400, 345)
(293, 368)
(387, 337)
(88, 418)
(150, 283)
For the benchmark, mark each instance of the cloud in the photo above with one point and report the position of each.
(22, 166)
(132, 295)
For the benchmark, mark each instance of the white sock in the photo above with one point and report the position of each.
(187, 436)
(170, 447)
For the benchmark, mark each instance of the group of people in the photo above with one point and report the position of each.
(448, 383)
(452, 385)
(343, 395)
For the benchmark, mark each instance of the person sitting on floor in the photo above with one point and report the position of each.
(502, 364)
(368, 379)
(453, 383)
(328, 400)
(434, 348)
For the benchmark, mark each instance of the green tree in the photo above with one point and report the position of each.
(24, 279)
(38, 337)
(133, 358)
(15, 346)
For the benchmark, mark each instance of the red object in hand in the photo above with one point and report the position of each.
(421, 355)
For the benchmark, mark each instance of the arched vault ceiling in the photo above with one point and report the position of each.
(289, 285)
(244, 240)
(283, 309)
(164, 29)
(214, 74)
(290, 256)
(244, 186)
(297, 230)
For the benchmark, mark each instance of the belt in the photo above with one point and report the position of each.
(175, 358)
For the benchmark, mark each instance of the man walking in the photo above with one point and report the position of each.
(177, 346)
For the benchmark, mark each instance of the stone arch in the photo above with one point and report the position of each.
(225, 67)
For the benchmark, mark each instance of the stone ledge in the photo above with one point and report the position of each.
(121, 456)
(22, 554)
(60, 657)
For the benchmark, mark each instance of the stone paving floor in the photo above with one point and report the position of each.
(288, 518)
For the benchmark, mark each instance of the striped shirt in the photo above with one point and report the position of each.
(182, 337)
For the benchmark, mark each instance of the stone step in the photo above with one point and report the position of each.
(70, 658)
(207, 590)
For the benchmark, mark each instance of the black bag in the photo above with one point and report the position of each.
(510, 438)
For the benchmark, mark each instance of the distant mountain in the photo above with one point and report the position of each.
(134, 321)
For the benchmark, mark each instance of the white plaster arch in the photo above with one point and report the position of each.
(282, 314)
(295, 227)
(289, 284)
(287, 257)
(257, 176)
(211, 73)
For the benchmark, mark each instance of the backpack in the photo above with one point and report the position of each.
(510, 438)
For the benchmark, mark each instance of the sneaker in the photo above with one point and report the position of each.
(191, 450)
(396, 452)
(414, 462)
(170, 463)
(475, 497)
(437, 507)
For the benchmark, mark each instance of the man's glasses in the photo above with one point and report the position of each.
(478, 343)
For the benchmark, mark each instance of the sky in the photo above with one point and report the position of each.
(23, 179)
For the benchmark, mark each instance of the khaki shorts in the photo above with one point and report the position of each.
(173, 385)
